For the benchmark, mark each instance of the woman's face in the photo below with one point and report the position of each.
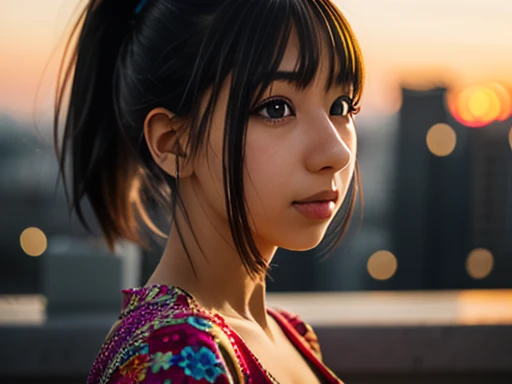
(299, 144)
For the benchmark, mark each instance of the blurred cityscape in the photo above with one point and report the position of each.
(435, 235)
(420, 291)
(437, 210)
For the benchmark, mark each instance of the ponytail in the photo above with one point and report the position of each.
(103, 169)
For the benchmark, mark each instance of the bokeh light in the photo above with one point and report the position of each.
(33, 241)
(480, 105)
(479, 263)
(505, 100)
(510, 137)
(382, 265)
(441, 139)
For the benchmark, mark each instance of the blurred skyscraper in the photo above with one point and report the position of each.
(491, 198)
(447, 205)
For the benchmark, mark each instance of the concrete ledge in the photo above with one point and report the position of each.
(68, 347)
(418, 349)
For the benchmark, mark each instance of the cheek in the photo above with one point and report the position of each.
(265, 184)
(261, 163)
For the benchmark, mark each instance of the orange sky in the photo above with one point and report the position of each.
(417, 41)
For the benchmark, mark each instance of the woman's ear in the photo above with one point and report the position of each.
(166, 137)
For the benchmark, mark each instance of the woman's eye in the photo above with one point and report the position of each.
(275, 109)
(341, 107)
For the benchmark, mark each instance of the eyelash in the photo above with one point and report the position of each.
(352, 110)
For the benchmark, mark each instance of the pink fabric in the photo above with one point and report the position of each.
(163, 336)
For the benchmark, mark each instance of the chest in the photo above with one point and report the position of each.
(286, 365)
(280, 358)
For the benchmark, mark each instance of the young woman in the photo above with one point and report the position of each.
(237, 118)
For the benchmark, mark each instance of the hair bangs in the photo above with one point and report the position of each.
(319, 25)
(248, 45)
(345, 48)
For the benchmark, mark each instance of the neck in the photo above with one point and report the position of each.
(214, 275)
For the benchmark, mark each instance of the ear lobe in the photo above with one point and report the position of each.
(164, 136)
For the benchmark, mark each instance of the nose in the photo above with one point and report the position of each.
(329, 145)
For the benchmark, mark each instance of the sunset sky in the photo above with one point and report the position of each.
(417, 42)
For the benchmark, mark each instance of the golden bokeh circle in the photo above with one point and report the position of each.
(479, 263)
(382, 265)
(33, 241)
(479, 105)
(461, 105)
(441, 139)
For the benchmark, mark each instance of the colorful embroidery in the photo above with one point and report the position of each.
(165, 337)
(304, 330)
(135, 368)
(199, 323)
(162, 361)
(203, 363)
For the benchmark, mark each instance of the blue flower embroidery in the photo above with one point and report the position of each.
(201, 364)
(199, 323)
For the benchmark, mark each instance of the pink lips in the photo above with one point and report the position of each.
(319, 206)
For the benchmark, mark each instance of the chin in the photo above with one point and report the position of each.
(303, 242)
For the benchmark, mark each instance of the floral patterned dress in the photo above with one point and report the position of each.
(163, 336)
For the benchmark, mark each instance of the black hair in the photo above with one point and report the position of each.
(125, 64)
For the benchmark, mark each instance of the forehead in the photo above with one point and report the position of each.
(292, 57)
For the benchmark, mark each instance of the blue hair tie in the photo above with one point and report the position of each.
(141, 5)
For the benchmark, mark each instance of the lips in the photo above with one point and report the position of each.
(324, 196)
(319, 206)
